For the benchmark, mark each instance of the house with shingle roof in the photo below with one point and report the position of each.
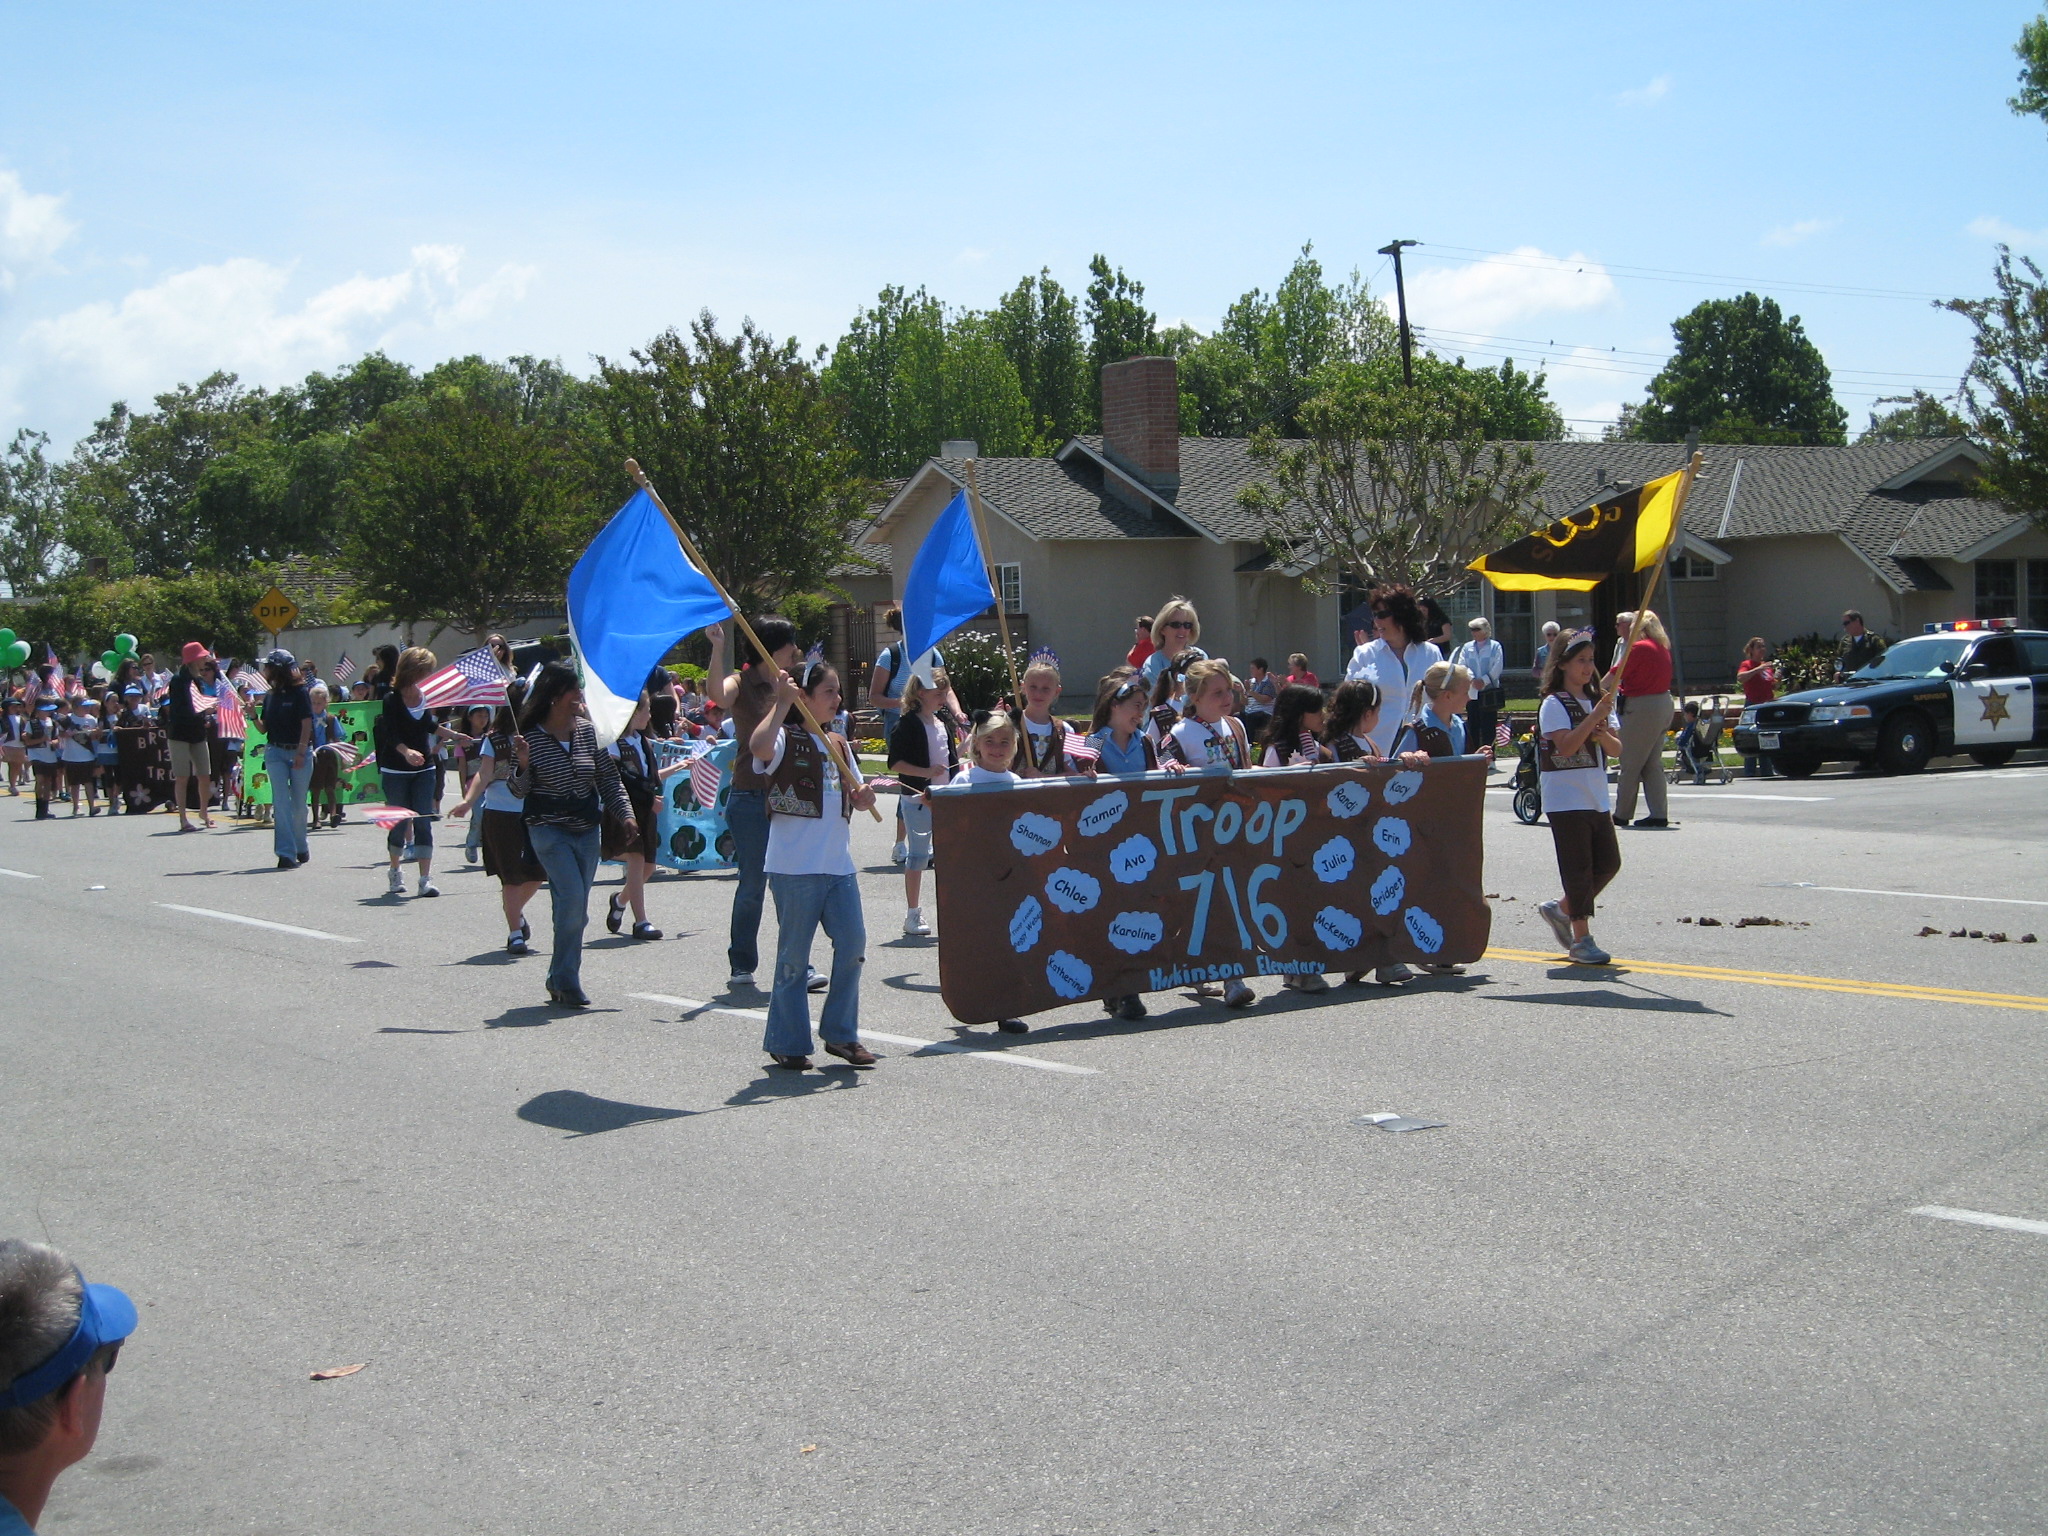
(1777, 541)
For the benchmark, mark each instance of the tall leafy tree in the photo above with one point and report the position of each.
(1741, 373)
(2005, 391)
(1038, 326)
(31, 514)
(747, 449)
(2032, 49)
(473, 493)
(1119, 324)
(1911, 418)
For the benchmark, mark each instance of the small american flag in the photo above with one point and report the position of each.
(474, 677)
(249, 678)
(1081, 749)
(815, 654)
(1503, 737)
(344, 669)
(345, 751)
(228, 711)
(704, 776)
(1308, 746)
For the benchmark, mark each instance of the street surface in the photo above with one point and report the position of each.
(1663, 1270)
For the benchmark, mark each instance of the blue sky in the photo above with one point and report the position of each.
(273, 188)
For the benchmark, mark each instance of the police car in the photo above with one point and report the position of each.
(1969, 685)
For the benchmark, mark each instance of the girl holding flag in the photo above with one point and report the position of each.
(1050, 749)
(1576, 728)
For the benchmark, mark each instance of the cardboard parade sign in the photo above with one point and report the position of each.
(1062, 890)
(690, 834)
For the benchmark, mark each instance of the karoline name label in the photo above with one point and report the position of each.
(1057, 891)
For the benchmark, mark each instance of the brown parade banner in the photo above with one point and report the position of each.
(1057, 891)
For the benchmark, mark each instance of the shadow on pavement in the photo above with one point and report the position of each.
(903, 983)
(534, 1014)
(778, 1084)
(397, 1029)
(1657, 1003)
(584, 1114)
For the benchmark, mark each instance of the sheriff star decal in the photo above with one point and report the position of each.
(1994, 707)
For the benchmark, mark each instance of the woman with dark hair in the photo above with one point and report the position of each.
(747, 696)
(500, 788)
(287, 757)
(1292, 734)
(407, 738)
(476, 726)
(385, 671)
(1394, 659)
(571, 783)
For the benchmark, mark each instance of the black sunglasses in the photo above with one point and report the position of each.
(109, 1354)
(1180, 624)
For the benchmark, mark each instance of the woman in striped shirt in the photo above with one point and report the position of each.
(570, 785)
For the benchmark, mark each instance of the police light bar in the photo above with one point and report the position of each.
(1967, 626)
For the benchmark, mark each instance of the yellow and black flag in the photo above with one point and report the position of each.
(1627, 532)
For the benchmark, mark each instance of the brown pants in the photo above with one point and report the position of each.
(1588, 857)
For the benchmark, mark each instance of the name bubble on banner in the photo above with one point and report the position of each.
(1032, 834)
(1026, 924)
(1244, 875)
(1401, 787)
(1348, 799)
(1136, 932)
(1104, 814)
(1133, 859)
(1425, 930)
(1335, 860)
(1072, 891)
(1068, 975)
(1338, 929)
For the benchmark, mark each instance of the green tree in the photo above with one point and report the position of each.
(1741, 373)
(2005, 391)
(1393, 485)
(1911, 418)
(2032, 49)
(1039, 329)
(1119, 324)
(31, 514)
(473, 493)
(747, 449)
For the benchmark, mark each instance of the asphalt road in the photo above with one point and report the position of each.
(1661, 1271)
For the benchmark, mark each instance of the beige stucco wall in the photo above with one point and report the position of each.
(1783, 587)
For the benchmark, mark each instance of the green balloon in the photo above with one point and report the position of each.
(124, 646)
(15, 655)
(6, 638)
(111, 661)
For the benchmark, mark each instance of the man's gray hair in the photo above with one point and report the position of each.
(40, 1299)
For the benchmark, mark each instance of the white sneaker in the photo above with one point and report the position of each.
(899, 853)
(1306, 983)
(396, 886)
(1393, 975)
(427, 887)
(1552, 912)
(1237, 995)
(914, 925)
(1586, 952)
(739, 979)
(816, 980)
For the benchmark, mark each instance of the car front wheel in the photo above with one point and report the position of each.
(1907, 743)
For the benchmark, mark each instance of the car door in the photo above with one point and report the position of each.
(2035, 648)
(1994, 696)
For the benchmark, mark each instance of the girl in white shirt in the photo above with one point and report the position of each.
(1209, 735)
(810, 869)
(1042, 739)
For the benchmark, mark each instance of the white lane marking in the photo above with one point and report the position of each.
(20, 874)
(1857, 890)
(1982, 1219)
(1693, 794)
(944, 1047)
(258, 922)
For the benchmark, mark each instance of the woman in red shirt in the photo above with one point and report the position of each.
(1758, 676)
(1645, 718)
(1299, 673)
(1143, 646)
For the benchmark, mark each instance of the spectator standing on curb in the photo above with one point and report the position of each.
(1758, 675)
(1261, 691)
(1858, 648)
(1141, 646)
(59, 1338)
(1645, 718)
(189, 725)
(1483, 657)
(1174, 634)
(1300, 674)
(1541, 665)
(288, 757)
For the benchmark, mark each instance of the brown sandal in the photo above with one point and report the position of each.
(855, 1054)
(792, 1063)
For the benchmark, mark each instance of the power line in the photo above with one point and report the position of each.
(1427, 332)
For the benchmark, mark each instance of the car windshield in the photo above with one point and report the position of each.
(1920, 657)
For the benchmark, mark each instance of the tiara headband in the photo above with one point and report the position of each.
(1047, 656)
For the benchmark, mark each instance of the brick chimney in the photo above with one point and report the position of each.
(1141, 419)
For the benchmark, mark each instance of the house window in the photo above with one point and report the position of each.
(1686, 566)
(1465, 603)
(1514, 626)
(2037, 594)
(1010, 582)
(1998, 590)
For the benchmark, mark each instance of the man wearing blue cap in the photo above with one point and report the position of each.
(58, 1341)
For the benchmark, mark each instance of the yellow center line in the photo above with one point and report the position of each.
(1851, 985)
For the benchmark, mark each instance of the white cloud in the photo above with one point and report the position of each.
(32, 227)
(1805, 229)
(1992, 228)
(1495, 291)
(1646, 95)
(971, 256)
(235, 315)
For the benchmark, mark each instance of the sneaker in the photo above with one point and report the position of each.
(899, 853)
(1586, 952)
(1393, 975)
(1306, 983)
(515, 944)
(396, 884)
(1659, 822)
(1552, 912)
(1237, 995)
(1013, 1026)
(427, 887)
(1132, 1007)
(1441, 970)
(816, 980)
(914, 925)
(286, 863)
(739, 979)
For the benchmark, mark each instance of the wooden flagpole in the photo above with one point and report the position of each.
(639, 477)
(988, 564)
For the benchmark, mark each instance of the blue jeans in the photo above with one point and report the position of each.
(570, 858)
(801, 903)
(746, 817)
(413, 790)
(288, 781)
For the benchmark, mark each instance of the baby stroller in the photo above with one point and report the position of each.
(1527, 784)
(1699, 747)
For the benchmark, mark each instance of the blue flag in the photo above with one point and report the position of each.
(947, 584)
(632, 595)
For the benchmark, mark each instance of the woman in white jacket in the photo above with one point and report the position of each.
(1395, 660)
